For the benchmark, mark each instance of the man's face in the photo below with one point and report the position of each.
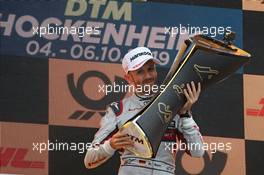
(146, 75)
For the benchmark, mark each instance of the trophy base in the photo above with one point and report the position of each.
(142, 147)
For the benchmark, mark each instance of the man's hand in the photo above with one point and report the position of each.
(192, 95)
(121, 140)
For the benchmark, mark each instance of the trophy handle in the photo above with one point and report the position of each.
(142, 145)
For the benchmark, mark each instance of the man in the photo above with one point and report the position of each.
(139, 66)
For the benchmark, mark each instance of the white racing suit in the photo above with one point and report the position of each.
(117, 114)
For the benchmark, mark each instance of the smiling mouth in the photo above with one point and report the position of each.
(149, 82)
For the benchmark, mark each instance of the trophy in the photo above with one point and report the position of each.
(200, 59)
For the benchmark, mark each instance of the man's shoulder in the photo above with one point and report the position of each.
(119, 106)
